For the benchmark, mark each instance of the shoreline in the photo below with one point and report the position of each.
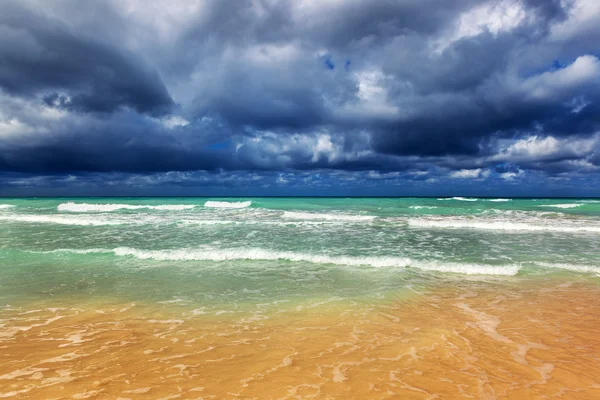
(466, 338)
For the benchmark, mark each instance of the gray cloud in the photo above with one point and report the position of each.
(41, 56)
(388, 86)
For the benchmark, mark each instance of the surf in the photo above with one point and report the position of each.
(326, 216)
(508, 226)
(86, 207)
(258, 254)
(228, 204)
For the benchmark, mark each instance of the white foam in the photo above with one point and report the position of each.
(467, 268)
(207, 222)
(561, 205)
(422, 207)
(75, 251)
(257, 254)
(459, 198)
(60, 219)
(499, 225)
(228, 204)
(85, 207)
(499, 200)
(571, 267)
(4, 206)
(326, 217)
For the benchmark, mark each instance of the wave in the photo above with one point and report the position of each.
(4, 206)
(228, 204)
(499, 200)
(61, 219)
(422, 207)
(256, 254)
(499, 226)
(562, 205)
(326, 217)
(85, 207)
(459, 198)
(571, 267)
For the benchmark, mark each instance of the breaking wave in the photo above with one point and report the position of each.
(571, 267)
(562, 205)
(499, 225)
(256, 254)
(326, 217)
(228, 204)
(85, 207)
(4, 206)
(61, 219)
(499, 200)
(459, 198)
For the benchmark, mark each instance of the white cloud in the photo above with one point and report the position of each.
(323, 147)
(174, 121)
(494, 17)
(470, 174)
(583, 17)
(540, 148)
(165, 19)
(372, 97)
(511, 176)
(583, 71)
(267, 54)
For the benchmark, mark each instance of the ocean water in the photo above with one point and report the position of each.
(238, 262)
(245, 250)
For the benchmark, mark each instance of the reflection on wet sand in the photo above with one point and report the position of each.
(465, 340)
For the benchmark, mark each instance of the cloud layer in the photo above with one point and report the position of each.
(431, 95)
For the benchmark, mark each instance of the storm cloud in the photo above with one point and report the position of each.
(432, 94)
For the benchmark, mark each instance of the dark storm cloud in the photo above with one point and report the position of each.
(454, 88)
(39, 55)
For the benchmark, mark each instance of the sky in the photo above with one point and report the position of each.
(300, 97)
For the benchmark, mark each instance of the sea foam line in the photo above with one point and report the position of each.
(257, 254)
(562, 205)
(326, 217)
(228, 204)
(4, 206)
(459, 198)
(571, 267)
(498, 226)
(86, 207)
(61, 219)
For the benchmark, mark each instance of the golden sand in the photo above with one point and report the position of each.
(468, 340)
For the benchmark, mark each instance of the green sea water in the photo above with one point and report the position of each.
(224, 254)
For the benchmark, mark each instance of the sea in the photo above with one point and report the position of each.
(299, 297)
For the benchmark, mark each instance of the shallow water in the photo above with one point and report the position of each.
(299, 298)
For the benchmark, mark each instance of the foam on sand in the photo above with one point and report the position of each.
(85, 207)
(228, 204)
(571, 267)
(257, 254)
(326, 217)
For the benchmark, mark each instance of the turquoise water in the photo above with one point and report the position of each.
(219, 253)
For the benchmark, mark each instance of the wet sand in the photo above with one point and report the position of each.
(458, 340)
